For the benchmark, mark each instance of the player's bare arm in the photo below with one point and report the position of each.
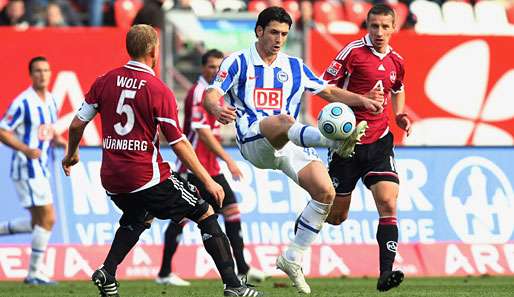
(187, 155)
(335, 94)
(11, 141)
(76, 130)
(402, 119)
(224, 114)
(206, 136)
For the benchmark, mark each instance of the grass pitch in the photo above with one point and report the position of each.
(350, 287)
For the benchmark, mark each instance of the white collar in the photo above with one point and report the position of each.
(368, 43)
(48, 95)
(136, 64)
(202, 80)
(257, 60)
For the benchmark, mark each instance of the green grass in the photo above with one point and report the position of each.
(429, 287)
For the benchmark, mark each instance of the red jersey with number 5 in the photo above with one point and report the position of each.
(133, 103)
(359, 68)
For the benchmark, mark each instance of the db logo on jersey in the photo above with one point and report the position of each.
(267, 98)
(334, 68)
(221, 76)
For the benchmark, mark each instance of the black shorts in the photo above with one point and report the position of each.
(174, 199)
(230, 197)
(372, 162)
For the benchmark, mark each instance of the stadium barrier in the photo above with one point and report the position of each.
(455, 218)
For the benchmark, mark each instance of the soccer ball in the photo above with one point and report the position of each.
(336, 121)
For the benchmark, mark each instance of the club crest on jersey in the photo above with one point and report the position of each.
(45, 132)
(267, 98)
(334, 68)
(392, 76)
(282, 76)
(222, 75)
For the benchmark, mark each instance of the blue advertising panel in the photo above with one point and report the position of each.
(446, 194)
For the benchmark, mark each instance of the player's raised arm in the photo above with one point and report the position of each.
(222, 83)
(225, 114)
(372, 101)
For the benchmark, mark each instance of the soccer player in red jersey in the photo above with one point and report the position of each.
(365, 64)
(134, 104)
(203, 131)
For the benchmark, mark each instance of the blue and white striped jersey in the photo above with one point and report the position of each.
(31, 120)
(258, 90)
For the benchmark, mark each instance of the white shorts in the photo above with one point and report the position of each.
(34, 191)
(290, 159)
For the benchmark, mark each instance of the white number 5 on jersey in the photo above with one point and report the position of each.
(127, 110)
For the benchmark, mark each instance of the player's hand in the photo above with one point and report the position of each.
(234, 170)
(374, 106)
(32, 153)
(68, 161)
(403, 121)
(216, 191)
(376, 94)
(225, 114)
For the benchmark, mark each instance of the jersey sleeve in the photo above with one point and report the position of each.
(89, 107)
(166, 114)
(339, 66)
(226, 76)
(199, 116)
(398, 86)
(13, 117)
(313, 83)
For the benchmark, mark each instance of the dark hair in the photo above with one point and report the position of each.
(273, 13)
(141, 39)
(35, 60)
(381, 9)
(214, 53)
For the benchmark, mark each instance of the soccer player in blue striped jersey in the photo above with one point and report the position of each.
(28, 128)
(263, 88)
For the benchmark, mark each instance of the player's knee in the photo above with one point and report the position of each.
(209, 212)
(387, 206)
(336, 218)
(285, 120)
(231, 213)
(326, 195)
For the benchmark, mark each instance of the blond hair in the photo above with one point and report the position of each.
(141, 40)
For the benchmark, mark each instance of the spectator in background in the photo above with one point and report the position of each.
(56, 13)
(14, 14)
(182, 4)
(54, 16)
(151, 14)
(306, 15)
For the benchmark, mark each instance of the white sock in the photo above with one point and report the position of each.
(40, 238)
(310, 223)
(20, 225)
(307, 136)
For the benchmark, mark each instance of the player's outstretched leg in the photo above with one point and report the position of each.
(105, 282)
(216, 244)
(16, 226)
(308, 136)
